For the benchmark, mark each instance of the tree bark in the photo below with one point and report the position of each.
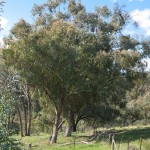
(55, 127)
(58, 111)
(70, 122)
(29, 118)
(146, 118)
(60, 125)
(20, 119)
(26, 100)
(8, 123)
(25, 116)
(74, 127)
(29, 112)
(75, 123)
(68, 130)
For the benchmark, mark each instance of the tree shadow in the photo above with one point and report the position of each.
(133, 135)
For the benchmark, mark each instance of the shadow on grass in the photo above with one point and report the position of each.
(133, 135)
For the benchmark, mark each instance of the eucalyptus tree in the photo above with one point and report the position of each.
(5, 141)
(108, 56)
(50, 64)
(73, 56)
(15, 100)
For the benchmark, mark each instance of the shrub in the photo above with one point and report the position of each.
(7, 142)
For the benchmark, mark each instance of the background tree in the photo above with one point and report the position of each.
(16, 101)
(138, 98)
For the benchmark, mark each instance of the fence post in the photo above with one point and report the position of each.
(110, 139)
(119, 145)
(113, 143)
(140, 144)
(74, 143)
(128, 146)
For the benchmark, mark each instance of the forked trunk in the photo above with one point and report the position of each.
(55, 127)
(58, 111)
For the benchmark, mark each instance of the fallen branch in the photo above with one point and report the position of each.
(85, 142)
(93, 139)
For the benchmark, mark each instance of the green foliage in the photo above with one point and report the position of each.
(76, 58)
(43, 122)
(7, 142)
(6, 94)
(138, 99)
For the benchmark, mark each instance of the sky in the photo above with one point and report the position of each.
(17, 9)
(13, 10)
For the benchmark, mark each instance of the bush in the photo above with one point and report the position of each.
(7, 142)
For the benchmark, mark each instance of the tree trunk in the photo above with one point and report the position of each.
(74, 128)
(75, 123)
(8, 122)
(26, 100)
(124, 121)
(68, 130)
(29, 111)
(55, 127)
(20, 119)
(58, 111)
(70, 122)
(12, 119)
(146, 118)
(60, 125)
(25, 118)
(29, 118)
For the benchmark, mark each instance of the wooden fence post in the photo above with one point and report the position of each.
(119, 145)
(74, 143)
(140, 144)
(113, 144)
(110, 139)
(128, 146)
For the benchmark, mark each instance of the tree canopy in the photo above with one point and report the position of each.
(74, 57)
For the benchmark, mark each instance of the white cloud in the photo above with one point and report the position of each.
(3, 22)
(142, 18)
(5, 29)
(1, 42)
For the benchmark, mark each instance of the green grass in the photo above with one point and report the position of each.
(133, 135)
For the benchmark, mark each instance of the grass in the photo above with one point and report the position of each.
(132, 135)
